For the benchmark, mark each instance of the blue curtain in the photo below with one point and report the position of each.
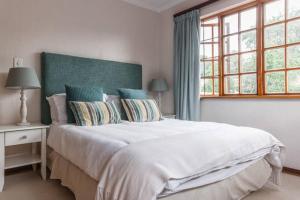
(186, 66)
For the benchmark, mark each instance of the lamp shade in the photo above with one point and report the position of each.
(158, 85)
(22, 78)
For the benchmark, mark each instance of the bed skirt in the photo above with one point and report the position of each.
(234, 188)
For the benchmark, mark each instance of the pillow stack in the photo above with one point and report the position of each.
(138, 107)
(83, 94)
(89, 106)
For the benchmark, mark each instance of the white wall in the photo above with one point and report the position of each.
(104, 29)
(278, 116)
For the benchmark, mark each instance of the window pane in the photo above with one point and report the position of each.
(248, 62)
(248, 84)
(208, 68)
(207, 51)
(248, 19)
(274, 11)
(201, 69)
(216, 68)
(216, 85)
(231, 44)
(274, 35)
(231, 64)
(202, 87)
(248, 41)
(293, 8)
(231, 24)
(274, 59)
(293, 31)
(293, 56)
(231, 84)
(216, 33)
(216, 50)
(294, 81)
(208, 86)
(207, 32)
(201, 51)
(275, 82)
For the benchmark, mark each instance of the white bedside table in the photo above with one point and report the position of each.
(169, 116)
(16, 135)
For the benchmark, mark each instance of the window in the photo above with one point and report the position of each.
(282, 47)
(253, 50)
(239, 57)
(209, 55)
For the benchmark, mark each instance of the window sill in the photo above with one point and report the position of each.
(253, 97)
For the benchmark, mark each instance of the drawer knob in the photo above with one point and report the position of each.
(23, 137)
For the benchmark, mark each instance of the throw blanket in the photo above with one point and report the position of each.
(138, 161)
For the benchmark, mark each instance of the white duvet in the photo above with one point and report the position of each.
(142, 161)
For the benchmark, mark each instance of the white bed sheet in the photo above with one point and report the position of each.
(91, 148)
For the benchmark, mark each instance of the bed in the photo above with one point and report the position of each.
(188, 160)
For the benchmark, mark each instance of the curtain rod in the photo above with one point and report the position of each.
(201, 5)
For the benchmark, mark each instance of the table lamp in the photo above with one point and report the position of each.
(159, 86)
(22, 78)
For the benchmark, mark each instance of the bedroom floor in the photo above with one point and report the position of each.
(27, 185)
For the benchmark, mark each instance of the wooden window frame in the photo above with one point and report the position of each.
(212, 59)
(239, 53)
(260, 49)
(285, 46)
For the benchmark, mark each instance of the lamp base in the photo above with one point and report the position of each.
(23, 124)
(23, 110)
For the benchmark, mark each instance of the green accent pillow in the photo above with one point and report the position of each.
(81, 93)
(132, 94)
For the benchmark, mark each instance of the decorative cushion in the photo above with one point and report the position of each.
(138, 110)
(58, 108)
(132, 94)
(83, 94)
(95, 113)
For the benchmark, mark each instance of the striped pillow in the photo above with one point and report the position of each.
(141, 110)
(95, 113)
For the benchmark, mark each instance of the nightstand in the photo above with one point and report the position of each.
(16, 135)
(169, 116)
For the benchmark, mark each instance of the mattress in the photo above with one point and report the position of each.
(235, 187)
(162, 158)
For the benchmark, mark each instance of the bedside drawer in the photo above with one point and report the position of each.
(22, 137)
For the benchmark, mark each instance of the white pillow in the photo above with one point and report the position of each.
(105, 97)
(58, 108)
(52, 110)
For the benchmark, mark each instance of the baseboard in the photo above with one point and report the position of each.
(291, 171)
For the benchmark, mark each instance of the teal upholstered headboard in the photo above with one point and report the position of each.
(58, 70)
